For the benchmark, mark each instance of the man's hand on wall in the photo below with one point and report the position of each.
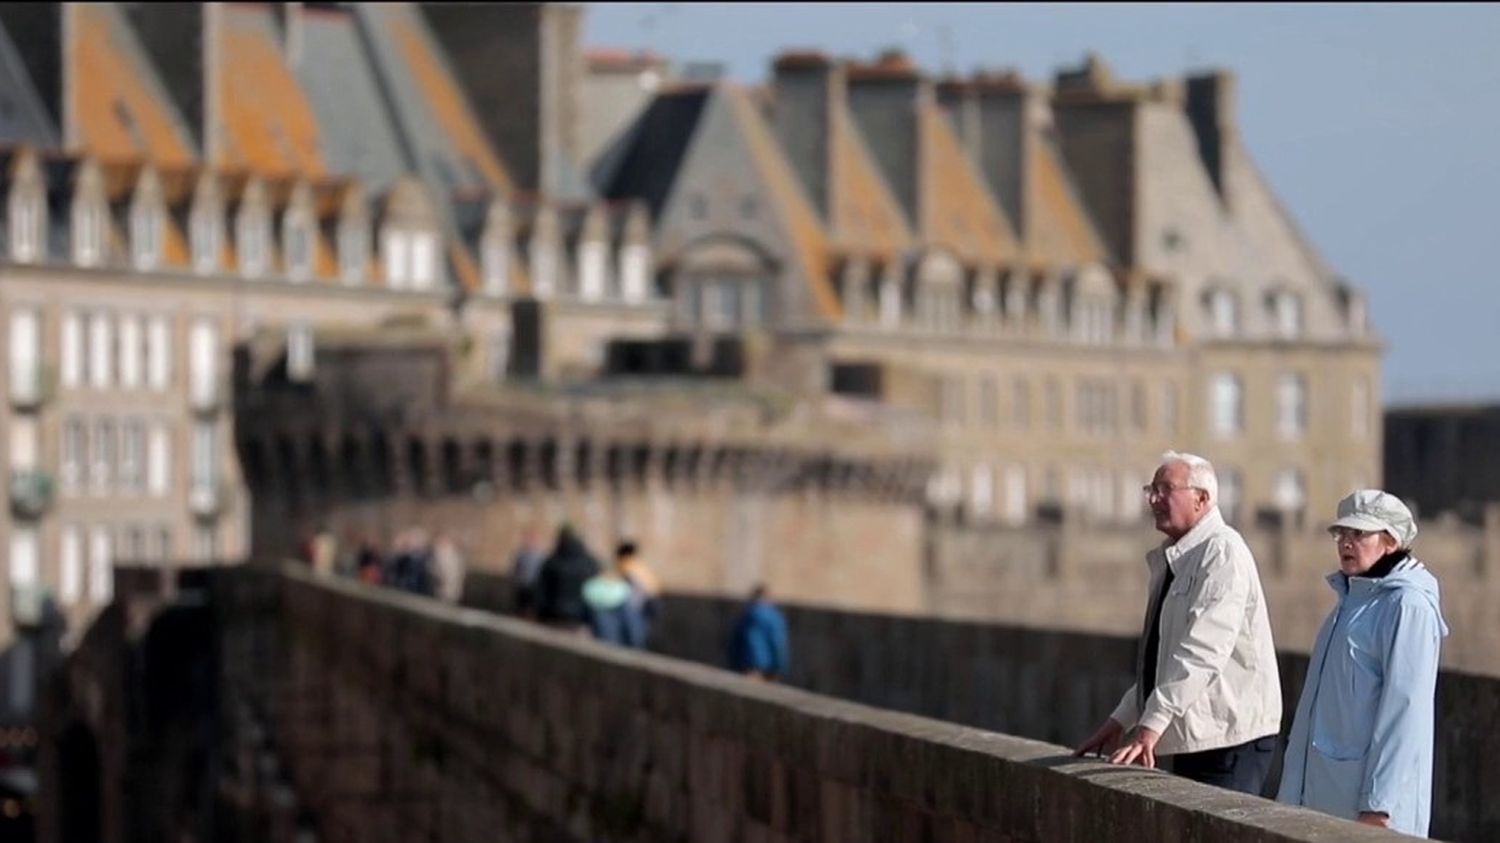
(1103, 740)
(1140, 749)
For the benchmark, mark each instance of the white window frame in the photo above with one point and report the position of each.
(1015, 495)
(1226, 408)
(203, 363)
(158, 460)
(73, 351)
(101, 350)
(1291, 407)
(354, 253)
(206, 231)
(132, 468)
(132, 373)
(159, 354)
(424, 260)
(73, 457)
(26, 225)
(70, 565)
(593, 265)
(1287, 311)
(299, 246)
(25, 353)
(145, 236)
(301, 352)
(205, 457)
(495, 256)
(88, 233)
(104, 448)
(252, 242)
(394, 250)
(635, 260)
(1224, 313)
(101, 566)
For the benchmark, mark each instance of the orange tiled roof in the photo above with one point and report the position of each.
(448, 104)
(866, 216)
(804, 229)
(1059, 230)
(268, 124)
(119, 116)
(956, 209)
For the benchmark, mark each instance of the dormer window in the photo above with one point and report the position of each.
(26, 223)
(354, 252)
(635, 264)
(298, 243)
(1223, 313)
(593, 256)
(496, 259)
(1093, 320)
(253, 238)
(206, 234)
(424, 256)
(145, 236)
(88, 233)
(1286, 314)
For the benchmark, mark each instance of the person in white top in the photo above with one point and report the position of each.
(1207, 692)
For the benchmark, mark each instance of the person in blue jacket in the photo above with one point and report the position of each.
(1362, 739)
(758, 646)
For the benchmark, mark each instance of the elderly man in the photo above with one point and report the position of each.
(1207, 692)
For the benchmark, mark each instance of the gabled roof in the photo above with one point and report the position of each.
(268, 124)
(956, 209)
(345, 92)
(121, 109)
(654, 148)
(865, 215)
(23, 117)
(803, 227)
(435, 119)
(1059, 230)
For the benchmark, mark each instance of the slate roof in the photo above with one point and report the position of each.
(123, 111)
(23, 116)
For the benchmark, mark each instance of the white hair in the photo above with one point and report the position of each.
(1200, 473)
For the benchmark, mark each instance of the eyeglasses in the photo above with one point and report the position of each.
(1343, 534)
(1159, 491)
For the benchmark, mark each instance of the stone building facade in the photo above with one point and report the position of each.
(177, 179)
(1071, 278)
(724, 484)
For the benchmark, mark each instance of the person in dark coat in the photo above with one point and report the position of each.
(560, 583)
(758, 647)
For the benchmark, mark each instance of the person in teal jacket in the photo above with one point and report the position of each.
(1362, 739)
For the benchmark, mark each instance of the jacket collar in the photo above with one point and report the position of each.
(1211, 522)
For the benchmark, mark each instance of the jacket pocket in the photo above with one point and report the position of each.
(1332, 785)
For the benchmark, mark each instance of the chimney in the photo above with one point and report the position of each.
(992, 114)
(175, 39)
(885, 98)
(521, 66)
(1210, 108)
(809, 90)
(37, 30)
(1097, 124)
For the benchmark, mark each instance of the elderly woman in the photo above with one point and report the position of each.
(1361, 743)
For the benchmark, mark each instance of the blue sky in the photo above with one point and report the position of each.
(1378, 125)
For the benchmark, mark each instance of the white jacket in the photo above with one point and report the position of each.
(1216, 679)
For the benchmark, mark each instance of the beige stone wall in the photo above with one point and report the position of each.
(807, 546)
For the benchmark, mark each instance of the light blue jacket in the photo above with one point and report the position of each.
(1363, 734)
